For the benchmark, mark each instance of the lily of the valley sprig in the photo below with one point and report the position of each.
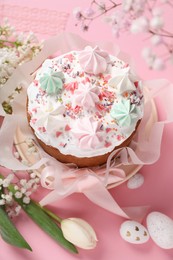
(68, 233)
(145, 17)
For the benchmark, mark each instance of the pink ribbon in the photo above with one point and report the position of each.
(64, 180)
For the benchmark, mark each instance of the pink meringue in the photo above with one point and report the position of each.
(88, 132)
(93, 60)
(86, 96)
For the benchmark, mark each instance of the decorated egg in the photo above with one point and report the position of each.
(134, 232)
(160, 228)
(135, 181)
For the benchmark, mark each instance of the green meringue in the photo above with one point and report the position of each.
(52, 82)
(124, 113)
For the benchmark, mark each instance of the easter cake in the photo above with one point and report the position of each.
(84, 104)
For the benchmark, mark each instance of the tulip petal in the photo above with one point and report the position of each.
(79, 232)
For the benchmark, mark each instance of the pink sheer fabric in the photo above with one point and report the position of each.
(67, 179)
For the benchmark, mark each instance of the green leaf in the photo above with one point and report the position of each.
(36, 213)
(1, 192)
(9, 232)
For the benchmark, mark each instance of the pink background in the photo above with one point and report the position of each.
(157, 190)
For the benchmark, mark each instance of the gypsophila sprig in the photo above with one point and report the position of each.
(15, 49)
(135, 16)
(24, 188)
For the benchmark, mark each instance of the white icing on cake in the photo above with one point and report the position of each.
(85, 118)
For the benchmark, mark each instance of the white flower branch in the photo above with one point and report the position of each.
(15, 48)
(136, 16)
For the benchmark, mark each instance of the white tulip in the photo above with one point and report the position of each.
(79, 233)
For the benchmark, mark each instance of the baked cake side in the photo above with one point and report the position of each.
(84, 104)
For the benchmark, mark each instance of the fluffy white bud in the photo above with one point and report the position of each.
(156, 23)
(156, 39)
(127, 5)
(89, 12)
(139, 25)
(158, 64)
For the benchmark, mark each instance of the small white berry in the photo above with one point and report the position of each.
(6, 183)
(28, 193)
(23, 182)
(8, 198)
(26, 200)
(23, 190)
(16, 187)
(18, 195)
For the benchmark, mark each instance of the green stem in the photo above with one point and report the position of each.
(51, 214)
(16, 44)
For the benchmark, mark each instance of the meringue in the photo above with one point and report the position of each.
(88, 132)
(86, 96)
(124, 112)
(122, 80)
(93, 60)
(50, 117)
(52, 82)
